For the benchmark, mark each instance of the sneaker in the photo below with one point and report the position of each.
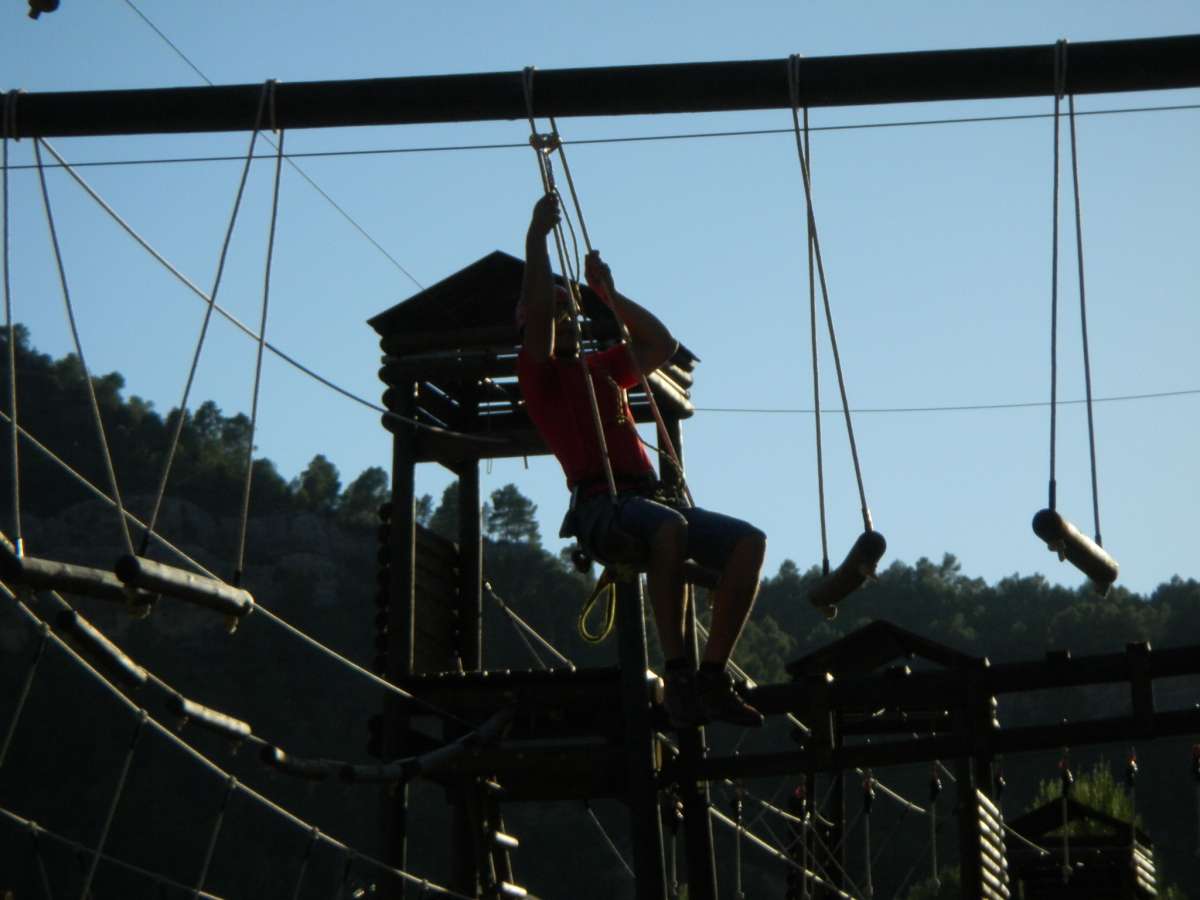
(681, 701)
(718, 698)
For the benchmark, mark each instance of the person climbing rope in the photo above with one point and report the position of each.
(565, 408)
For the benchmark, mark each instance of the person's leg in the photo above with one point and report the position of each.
(736, 549)
(665, 533)
(734, 596)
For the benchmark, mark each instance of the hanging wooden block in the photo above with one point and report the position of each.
(1077, 548)
(856, 568)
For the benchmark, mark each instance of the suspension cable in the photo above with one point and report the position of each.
(262, 340)
(545, 168)
(274, 617)
(187, 387)
(664, 436)
(812, 321)
(230, 789)
(87, 376)
(24, 695)
(246, 329)
(212, 767)
(794, 88)
(7, 130)
(1060, 52)
(112, 807)
(37, 831)
(1087, 364)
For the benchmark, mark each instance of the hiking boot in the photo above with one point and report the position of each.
(681, 701)
(718, 698)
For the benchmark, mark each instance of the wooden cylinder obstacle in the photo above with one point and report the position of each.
(856, 568)
(1077, 548)
(148, 575)
(68, 578)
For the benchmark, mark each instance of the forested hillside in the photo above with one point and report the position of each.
(311, 559)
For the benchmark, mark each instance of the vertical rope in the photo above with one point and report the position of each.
(812, 323)
(212, 300)
(16, 717)
(262, 343)
(87, 375)
(547, 173)
(1087, 364)
(344, 883)
(112, 808)
(43, 875)
(308, 852)
(230, 787)
(9, 130)
(1059, 78)
(664, 436)
(794, 89)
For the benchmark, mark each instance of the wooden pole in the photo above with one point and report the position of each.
(1142, 64)
(402, 607)
(642, 798)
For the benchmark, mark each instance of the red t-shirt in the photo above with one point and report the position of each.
(557, 401)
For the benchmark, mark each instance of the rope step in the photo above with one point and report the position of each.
(51, 575)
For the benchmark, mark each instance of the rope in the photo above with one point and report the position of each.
(664, 435)
(212, 767)
(87, 377)
(524, 628)
(630, 139)
(605, 587)
(43, 875)
(794, 88)
(37, 831)
(8, 129)
(16, 716)
(187, 387)
(313, 642)
(812, 321)
(216, 833)
(1059, 84)
(308, 852)
(245, 329)
(112, 807)
(756, 841)
(262, 339)
(546, 170)
(608, 840)
(1087, 364)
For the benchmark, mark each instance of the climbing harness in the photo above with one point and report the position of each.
(1060, 535)
(861, 562)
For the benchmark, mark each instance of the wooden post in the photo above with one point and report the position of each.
(402, 608)
(697, 823)
(464, 810)
(649, 857)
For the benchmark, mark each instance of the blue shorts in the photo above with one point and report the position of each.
(711, 536)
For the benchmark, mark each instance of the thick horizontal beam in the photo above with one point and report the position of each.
(894, 753)
(979, 74)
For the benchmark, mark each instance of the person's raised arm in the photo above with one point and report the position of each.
(537, 284)
(652, 344)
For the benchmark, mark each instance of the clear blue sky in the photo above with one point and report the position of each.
(937, 243)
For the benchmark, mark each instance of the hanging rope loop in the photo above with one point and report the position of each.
(860, 564)
(606, 591)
